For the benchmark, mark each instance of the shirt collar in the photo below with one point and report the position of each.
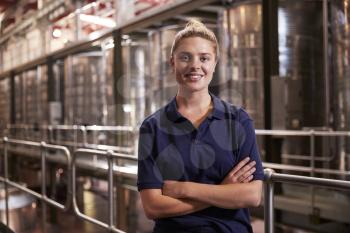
(218, 109)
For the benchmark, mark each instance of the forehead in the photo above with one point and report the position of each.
(195, 45)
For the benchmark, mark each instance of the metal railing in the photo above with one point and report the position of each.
(271, 177)
(312, 134)
(110, 155)
(71, 201)
(79, 134)
(43, 156)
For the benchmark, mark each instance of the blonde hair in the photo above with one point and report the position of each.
(195, 28)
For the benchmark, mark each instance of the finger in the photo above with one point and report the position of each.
(169, 182)
(239, 165)
(246, 174)
(248, 179)
(245, 169)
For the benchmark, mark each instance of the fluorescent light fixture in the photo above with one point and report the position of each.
(57, 33)
(106, 22)
(127, 108)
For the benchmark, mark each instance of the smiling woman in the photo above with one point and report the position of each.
(199, 167)
(193, 65)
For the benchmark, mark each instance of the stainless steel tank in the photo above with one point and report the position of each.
(108, 60)
(89, 86)
(241, 67)
(35, 102)
(83, 90)
(136, 81)
(163, 85)
(340, 25)
(4, 105)
(132, 85)
(19, 107)
(302, 95)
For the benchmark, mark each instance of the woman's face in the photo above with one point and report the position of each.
(193, 63)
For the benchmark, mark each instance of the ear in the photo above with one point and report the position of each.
(216, 62)
(172, 63)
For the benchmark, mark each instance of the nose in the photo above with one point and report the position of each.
(195, 64)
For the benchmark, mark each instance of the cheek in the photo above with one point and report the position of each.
(180, 68)
(208, 68)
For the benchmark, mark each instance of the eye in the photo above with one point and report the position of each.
(184, 57)
(204, 59)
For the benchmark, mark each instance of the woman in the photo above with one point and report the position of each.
(194, 173)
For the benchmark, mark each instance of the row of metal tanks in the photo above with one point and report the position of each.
(304, 97)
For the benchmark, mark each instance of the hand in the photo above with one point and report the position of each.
(242, 173)
(175, 189)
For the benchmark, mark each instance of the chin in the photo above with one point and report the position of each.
(196, 89)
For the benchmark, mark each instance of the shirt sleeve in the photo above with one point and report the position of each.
(248, 145)
(148, 175)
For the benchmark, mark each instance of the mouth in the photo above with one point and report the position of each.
(194, 76)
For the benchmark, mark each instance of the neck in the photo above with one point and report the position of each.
(197, 100)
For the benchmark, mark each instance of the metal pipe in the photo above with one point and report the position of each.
(268, 201)
(5, 139)
(301, 133)
(325, 60)
(305, 180)
(305, 169)
(306, 157)
(43, 185)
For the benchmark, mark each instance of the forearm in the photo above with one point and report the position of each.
(229, 196)
(164, 206)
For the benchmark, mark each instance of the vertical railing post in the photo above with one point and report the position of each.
(268, 201)
(110, 189)
(312, 165)
(6, 172)
(84, 136)
(312, 152)
(43, 184)
(50, 129)
(75, 135)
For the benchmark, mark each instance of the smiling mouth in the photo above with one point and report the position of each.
(194, 77)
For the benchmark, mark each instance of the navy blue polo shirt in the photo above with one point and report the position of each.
(171, 148)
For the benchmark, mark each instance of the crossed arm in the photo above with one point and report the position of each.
(237, 190)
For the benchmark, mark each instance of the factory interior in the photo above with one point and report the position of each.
(78, 77)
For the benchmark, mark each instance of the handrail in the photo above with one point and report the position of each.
(307, 133)
(110, 157)
(297, 168)
(271, 177)
(42, 196)
(73, 127)
(84, 132)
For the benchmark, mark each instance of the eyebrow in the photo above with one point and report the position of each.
(189, 53)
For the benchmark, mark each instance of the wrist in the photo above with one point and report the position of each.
(186, 190)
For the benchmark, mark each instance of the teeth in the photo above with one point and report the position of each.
(194, 77)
